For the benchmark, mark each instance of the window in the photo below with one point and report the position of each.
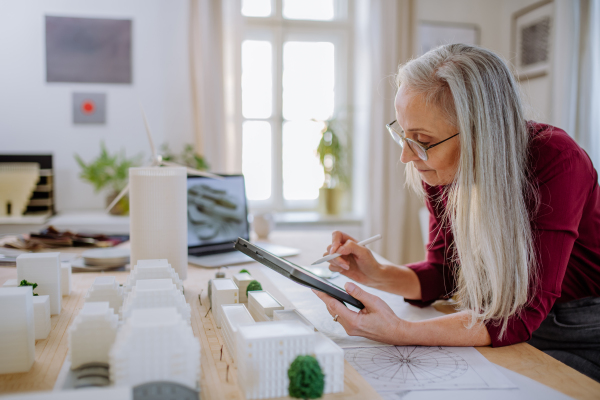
(294, 75)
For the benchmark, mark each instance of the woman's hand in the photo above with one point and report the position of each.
(357, 262)
(376, 321)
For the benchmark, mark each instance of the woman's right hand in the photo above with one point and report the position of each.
(357, 262)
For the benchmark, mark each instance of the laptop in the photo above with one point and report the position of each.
(217, 214)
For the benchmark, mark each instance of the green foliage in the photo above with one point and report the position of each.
(331, 155)
(253, 285)
(107, 170)
(188, 157)
(25, 283)
(306, 378)
(244, 271)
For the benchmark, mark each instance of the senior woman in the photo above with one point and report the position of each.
(514, 225)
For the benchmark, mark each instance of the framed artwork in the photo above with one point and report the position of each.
(90, 50)
(532, 39)
(433, 34)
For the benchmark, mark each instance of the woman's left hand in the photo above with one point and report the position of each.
(376, 321)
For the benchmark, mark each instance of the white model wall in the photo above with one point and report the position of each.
(494, 20)
(36, 116)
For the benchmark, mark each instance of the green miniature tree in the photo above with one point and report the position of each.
(253, 285)
(244, 271)
(306, 378)
(25, 283)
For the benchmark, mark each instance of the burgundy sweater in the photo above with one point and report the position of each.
(566, 232)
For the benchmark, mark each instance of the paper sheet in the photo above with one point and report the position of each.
(402, 368)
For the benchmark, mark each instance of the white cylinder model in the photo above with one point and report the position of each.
(158, 204)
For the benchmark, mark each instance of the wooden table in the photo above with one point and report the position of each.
(216, 383)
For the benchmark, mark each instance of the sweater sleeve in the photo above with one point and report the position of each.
(434, 273)
(564, 185)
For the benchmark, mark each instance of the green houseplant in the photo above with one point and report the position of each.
(188, 157)
(109, 171)
(332, 159)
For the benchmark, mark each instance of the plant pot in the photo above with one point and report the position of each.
(122, 206)
(330, 200)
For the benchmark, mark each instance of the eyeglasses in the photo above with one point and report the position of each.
(398, 135)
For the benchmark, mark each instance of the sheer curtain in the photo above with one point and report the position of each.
(576, 73)
(384, 34)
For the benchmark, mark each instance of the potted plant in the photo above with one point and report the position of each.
(188, 157)
(109, 171)
(331, 157)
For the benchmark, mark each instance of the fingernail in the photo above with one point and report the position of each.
(350, 287)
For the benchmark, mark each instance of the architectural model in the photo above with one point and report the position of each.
(158, 205)
(11, 283)
(106, 288)
(153, 293)
(291, 315)
(232, 316)
(17, 329)
(65, 278)
(223, 291)
(261, 305)
(152, 269)
(41, 316)
(43, 269)
(155, 344)
(331, 359)
(242, 280)
(92, 334)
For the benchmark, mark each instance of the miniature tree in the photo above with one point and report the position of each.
(253, 285)
(244, 271)
(306, 378)
(25, 283)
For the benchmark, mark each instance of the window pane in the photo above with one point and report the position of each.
(256, 159)
(308, 80)
(256, 8)
(256, 79)
(321, 10)
(302, 173)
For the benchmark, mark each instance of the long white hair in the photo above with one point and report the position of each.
(488, 200)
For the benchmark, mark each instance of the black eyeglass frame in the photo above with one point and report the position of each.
(401, 139)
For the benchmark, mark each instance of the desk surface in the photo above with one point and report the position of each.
(218, 384)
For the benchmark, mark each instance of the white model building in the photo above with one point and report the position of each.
(152, 269)
(264, 353)
(261, 305)
(232, 316)
(223, 291)
(291, 315)
(92, 334)
(242, 281)
(65, 278)
(43, 269)
(106, 288)
(154, 293)
(11, 283)
(155, 344)
(331, 360)
(17, 329)
(41, 316)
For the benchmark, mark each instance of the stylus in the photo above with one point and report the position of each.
(335, 255)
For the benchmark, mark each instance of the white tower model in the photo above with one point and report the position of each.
(17, 331)
(155, 344)
(158, 204)
(43, 269)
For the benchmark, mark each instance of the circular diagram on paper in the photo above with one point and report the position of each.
(407, 365)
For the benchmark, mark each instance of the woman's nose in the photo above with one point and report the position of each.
(407, 154)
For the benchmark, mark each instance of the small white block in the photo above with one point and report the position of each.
(242, 280)
(17, 330)
(11, 283)
(232, 316)
(65, 278)
(43, 269)
(41, 316)
(291, 315)
(224, 291)
(261, 305)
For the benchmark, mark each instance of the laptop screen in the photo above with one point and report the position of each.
(216, 213)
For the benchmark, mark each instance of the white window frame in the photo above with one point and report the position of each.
(279, 30)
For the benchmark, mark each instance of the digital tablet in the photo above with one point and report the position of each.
(295, 272)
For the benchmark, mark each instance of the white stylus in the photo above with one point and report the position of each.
(335, 255)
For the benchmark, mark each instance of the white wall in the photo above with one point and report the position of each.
(36, 116)
(494, 20)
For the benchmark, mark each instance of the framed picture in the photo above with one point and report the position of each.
(532, 39)
(433, 34)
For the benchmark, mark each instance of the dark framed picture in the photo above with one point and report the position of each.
(532, 39)
(433, 34)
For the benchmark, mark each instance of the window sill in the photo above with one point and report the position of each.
(294, 218)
